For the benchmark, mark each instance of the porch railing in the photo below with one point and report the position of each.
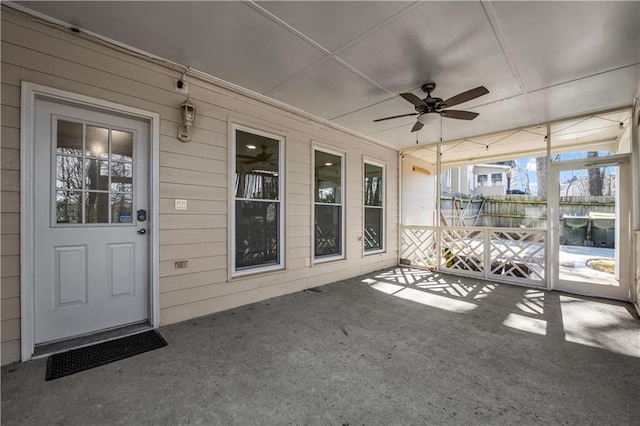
(514, 255)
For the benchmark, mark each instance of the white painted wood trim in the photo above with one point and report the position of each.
(319, 146)
(383, 164)
(29, 93)
(234, 126)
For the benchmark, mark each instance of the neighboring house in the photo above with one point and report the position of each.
(490, 179)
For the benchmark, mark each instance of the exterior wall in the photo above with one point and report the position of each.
(196, 171)
(418, 193)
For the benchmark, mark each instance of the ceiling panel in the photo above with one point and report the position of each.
(505, 114)
(601, 92)
(554, 42)
(362, 120)
(332, 24)
(328, 90)
(227, 39)
(451, 43)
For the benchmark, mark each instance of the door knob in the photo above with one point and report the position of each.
(142, 231)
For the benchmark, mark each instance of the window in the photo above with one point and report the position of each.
(373, 208)
(328, 206)
(93, 174)
(496, 177)
(257, 236)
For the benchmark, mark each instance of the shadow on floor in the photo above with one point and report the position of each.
(401, 346)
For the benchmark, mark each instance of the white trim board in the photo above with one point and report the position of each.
(29, 93)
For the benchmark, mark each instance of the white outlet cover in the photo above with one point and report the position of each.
(180, 204)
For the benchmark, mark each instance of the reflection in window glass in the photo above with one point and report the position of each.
(97, 175)
(97, 141)
(373, 209)
(372, 229)
(328, 204)
(96, 207)
(372, 185)
(121, 146)
(257, 162)
(68, 172)
(258, 209)
(121, 177)
(257, 234)
(69, 140)
(68, 207)
(121, 208)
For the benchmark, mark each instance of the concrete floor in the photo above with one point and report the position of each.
(397, 347)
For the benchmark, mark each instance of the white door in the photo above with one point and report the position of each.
(90, 247)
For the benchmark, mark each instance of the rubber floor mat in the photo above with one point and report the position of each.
(76, 360)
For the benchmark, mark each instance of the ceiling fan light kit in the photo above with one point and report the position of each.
(427, 108)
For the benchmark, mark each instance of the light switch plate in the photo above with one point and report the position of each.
(181, 204)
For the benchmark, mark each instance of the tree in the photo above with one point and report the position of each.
(541, 176)
(596, 177)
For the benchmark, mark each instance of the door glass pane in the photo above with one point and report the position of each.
(372, 228)
(588, 225)
(121, 177)
(68, 172)
(69, 138)
(257, 231)
(96, 207)
(122, 208)
(328, 179)
(97, 142)
(97, 175)
(257, 166)
(328, 235)
(68, 207)
(121, 145)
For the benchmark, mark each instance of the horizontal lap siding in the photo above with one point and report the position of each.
(196, 171)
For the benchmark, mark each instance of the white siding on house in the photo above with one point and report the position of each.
(196, 171)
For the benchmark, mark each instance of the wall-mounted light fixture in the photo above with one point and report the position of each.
(188, 118)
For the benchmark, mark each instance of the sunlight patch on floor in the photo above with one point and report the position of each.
(532, 302)
(422, 297)
(600, 325)
(526, 324)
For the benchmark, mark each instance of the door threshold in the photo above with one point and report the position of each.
(46, 349)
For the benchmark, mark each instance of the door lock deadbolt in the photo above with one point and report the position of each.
(142, 215)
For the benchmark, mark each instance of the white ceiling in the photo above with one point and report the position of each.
(348, 61)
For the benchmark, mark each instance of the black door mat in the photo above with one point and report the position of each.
(76, 360)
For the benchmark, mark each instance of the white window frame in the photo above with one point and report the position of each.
(383, 206)
(342, 204)
(232, 197)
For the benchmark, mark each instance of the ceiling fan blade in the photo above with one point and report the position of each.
(395, 116)
(417, 126)
(466, 96)
(253, 161)
(247, 157)
(413, 99)
(460, 115)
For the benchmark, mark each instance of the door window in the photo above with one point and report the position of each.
(93, 174)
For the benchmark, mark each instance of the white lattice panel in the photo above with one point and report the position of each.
(419, 246)
(463, 250)
(517, 255)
